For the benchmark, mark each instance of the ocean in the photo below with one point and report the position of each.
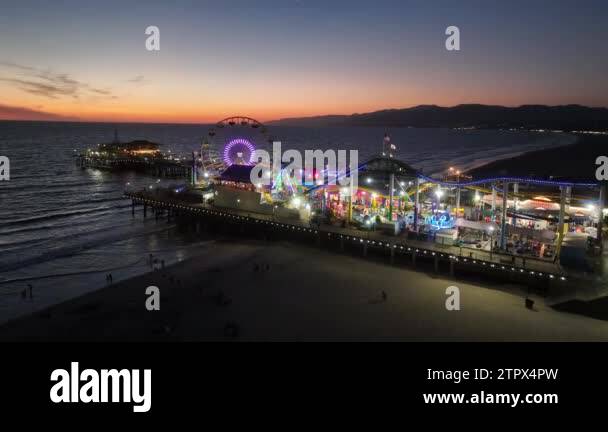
(63, 228)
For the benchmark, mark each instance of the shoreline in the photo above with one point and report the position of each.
(50, 289)
(575, 161)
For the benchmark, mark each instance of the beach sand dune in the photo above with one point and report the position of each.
(261, 291)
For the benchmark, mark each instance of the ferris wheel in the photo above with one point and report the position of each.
(239, 122)
(238, 137)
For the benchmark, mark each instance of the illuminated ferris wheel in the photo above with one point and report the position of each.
(238, 137)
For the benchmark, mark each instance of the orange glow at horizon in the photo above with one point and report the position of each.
(192, 98)
(175, 109)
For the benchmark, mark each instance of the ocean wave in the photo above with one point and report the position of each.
(78, 273)
(60, 215)
(79, 244)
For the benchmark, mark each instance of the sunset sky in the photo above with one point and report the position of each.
(272, 59)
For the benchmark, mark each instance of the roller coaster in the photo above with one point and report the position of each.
(478, 183)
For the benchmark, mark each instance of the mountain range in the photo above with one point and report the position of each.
(561, 117)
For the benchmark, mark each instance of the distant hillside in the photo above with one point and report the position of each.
(563, 117)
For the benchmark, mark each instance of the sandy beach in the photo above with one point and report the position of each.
(278, 291)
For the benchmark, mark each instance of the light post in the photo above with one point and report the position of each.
(438, 194)
(491, 229)
(477, 201)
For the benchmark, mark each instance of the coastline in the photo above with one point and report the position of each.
(575, 161)
(68, 282)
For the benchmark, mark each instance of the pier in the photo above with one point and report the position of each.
(153, 167)
(139, 155)
(538, 232)
(449, 260)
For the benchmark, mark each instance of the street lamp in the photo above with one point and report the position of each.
(438, 194)
(478, 203)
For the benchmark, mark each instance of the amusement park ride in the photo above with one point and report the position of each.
(235, 134)
(390, 192)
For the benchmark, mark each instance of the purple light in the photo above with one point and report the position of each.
(238, 142)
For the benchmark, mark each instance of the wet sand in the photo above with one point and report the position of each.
(276, 291)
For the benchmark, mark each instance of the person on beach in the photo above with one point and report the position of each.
(30, 288)
(384, 296)
(110, 278)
